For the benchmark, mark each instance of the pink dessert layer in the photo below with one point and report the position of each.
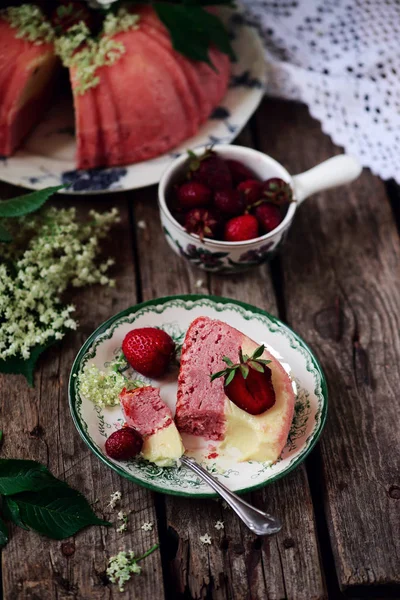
(200, 404)
(144, 410)
(26, 70)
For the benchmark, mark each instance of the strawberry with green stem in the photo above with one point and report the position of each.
(248, 383)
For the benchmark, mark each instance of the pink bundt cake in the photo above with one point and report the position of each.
(147, 97)
(145, 411)
(203, 408)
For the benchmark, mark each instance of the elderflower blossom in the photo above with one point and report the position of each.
(50, 251)
(120, 568)
(147, 526)
(103, 388)
(115, 497)
(30, 22)
(219, 525)
(86, 54)
(122, 516)
(205, 539)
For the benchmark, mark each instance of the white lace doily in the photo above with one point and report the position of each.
(342, 58)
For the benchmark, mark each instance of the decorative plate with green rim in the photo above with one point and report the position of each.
(174, 314)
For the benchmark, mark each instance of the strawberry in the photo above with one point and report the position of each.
(251, 189)
(211, 170)
(268, 215)
(239, 172)
(148, 350)
(241, 228)
(201, 221)
(194, 194)
(229, 202)
(277, 191)
(124, 444)
(248, 384)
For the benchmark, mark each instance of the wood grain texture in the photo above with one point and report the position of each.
(37, 425)
(237, 565)
(341, 273)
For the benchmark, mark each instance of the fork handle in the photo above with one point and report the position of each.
(257, 521)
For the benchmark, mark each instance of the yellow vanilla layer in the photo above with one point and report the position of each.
(164, 447)
(258, 437)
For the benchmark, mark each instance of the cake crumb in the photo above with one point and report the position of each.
(147, 526)
(205, 539)
(219, 525)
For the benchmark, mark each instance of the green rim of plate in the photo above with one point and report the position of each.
(193, 297)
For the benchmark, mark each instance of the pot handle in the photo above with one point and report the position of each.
(333, 172)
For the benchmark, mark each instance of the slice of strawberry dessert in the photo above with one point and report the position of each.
(232, 390)
(145, 412)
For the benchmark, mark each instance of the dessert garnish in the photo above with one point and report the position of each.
(225, 200)
(148, 350)
(248, 383)
(124, 444)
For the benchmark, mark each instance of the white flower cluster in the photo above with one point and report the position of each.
(120, 568)
(50, 251)
(114, 499)
(147, 526)
(30, 22)
(103, 388)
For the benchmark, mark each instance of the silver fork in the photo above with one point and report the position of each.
(257, 521)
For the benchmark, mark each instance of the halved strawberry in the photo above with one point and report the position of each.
(248, 384)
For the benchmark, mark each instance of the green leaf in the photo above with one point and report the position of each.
(11, 512)
(245, 370)
(16, 365)
(24, 475)
(5, 236)
(230, 377)
(218, 374)
(263, 361)
(23, 205)
(3, 533)
(258, 352)
(228, 361)
(256, 366)
(57, 512)
(193, 30)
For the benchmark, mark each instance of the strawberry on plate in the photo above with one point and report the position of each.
(248, 384)
(124, 444)
(148, 350)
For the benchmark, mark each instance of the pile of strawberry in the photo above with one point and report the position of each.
(224, 200)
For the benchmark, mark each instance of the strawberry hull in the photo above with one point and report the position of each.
(26, 72)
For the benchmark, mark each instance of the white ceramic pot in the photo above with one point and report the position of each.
(231, 257)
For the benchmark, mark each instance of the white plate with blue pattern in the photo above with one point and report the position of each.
(174, 314)
(47, 157)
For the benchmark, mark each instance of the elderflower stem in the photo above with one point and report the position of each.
(146, 554)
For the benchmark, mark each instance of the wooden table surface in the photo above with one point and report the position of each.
(337, 284)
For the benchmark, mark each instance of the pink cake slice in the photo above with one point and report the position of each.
(202, 407)
(26, 73)
(144, 410)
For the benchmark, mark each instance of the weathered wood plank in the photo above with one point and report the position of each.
(237, 565)
(341, 273)
(37, 424)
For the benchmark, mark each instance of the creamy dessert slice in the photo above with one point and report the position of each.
(150, 416)
(204, 408)
(27, 70)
